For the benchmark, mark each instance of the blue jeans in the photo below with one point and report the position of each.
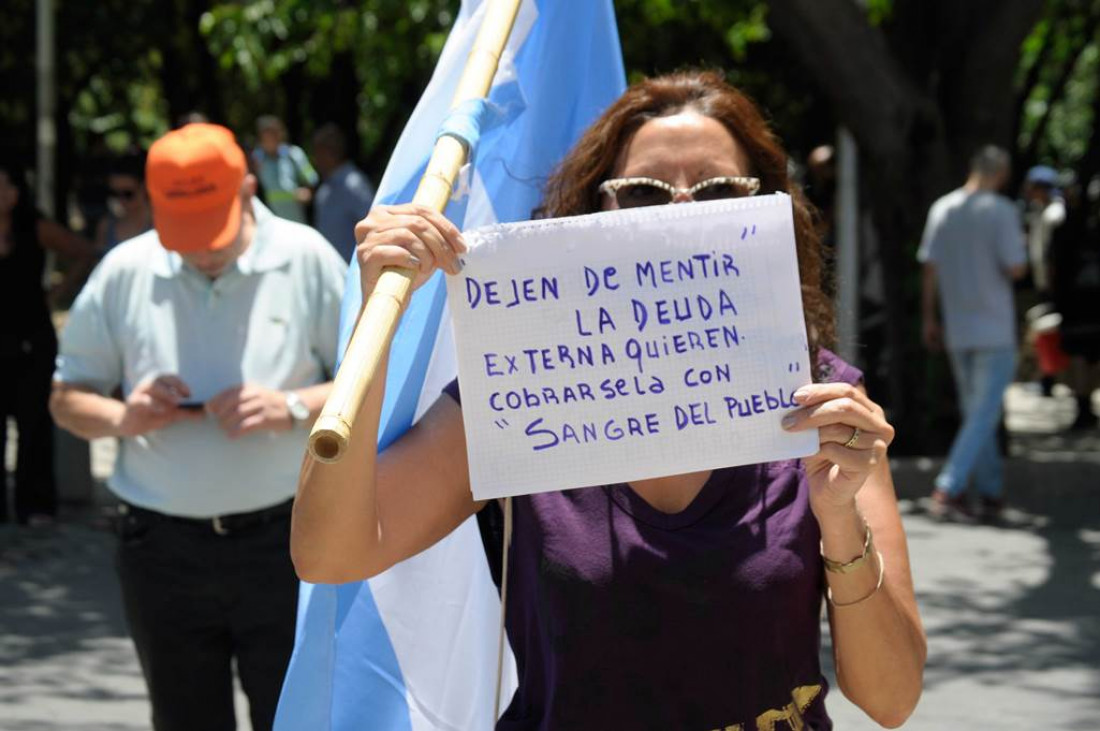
(981, 377)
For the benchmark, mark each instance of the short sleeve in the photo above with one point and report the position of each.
(834, 369)
(330, 281)
(1011, 246)
(88, 353)
(452, 390)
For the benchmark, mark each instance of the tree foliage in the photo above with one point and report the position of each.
(1058, 82)
(360, 64)
(127, 69)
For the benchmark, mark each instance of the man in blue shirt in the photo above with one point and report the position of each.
(283, 170)
(345, 195)
(972, 251)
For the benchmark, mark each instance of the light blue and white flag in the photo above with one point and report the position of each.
(415, 648)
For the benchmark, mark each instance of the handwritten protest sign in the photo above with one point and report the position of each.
(629, 344)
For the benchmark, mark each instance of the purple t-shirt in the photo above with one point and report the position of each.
(621, 616)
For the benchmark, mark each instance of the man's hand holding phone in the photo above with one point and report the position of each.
(249, 408)
(156, 403)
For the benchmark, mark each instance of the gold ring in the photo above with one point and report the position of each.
(851, 443)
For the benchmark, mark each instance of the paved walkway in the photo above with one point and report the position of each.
(1011, 612)
(1012, 622)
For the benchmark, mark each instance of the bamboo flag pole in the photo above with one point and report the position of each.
(329, 439)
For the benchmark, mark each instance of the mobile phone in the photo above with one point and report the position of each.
(191, 405)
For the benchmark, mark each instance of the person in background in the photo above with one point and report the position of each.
(1075, 289)
(345, 194)
(127, 202)
(1046, 211)
(28, 344)
(206, 346)
(972, 251)
(284, 171)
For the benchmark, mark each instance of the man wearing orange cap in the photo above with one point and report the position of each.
(206, 346)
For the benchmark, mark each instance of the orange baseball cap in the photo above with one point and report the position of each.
(194, 177)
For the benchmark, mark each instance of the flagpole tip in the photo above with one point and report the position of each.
(328, 441)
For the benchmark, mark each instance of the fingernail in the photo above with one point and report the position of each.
(801, 394)
(414, 262)
(789, 421)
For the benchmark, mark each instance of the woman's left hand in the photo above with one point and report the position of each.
(854, 437)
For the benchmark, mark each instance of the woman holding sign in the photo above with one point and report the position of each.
(683, 602)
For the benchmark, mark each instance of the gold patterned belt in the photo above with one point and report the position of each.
(791, 714)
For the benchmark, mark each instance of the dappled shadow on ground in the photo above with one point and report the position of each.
(1011, 611)
(54, 596)
(63, 639)
(1005, 621)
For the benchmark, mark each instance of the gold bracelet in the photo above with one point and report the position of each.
(848, 567)
(881, 573)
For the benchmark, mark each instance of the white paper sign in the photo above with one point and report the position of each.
(630, 344)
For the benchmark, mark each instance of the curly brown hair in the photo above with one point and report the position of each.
(573, 187)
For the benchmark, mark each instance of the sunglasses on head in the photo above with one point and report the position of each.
(123, 194)
(641, 192)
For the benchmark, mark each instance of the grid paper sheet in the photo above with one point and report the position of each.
(631, 344)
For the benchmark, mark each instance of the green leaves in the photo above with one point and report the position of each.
(128, 67)
(390, 44)
(1058, 83)
(748, 30)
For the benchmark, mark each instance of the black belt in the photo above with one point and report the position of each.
(222, 525)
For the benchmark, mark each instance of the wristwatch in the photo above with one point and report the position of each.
(299, 412)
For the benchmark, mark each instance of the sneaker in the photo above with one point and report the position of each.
(992, 509)
(946, 507)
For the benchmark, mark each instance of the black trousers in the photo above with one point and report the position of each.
(196, 601)
(26, 372)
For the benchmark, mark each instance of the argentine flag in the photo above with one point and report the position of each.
(415, 648)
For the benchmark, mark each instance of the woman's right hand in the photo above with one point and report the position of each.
(410, 236)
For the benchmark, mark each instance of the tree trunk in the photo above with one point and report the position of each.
(346, 112)
(173, 73)
(335, 98)
(1089, 165)
(207, 98)
(64, 167)
(293, 83)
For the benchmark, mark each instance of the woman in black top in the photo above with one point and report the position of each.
(28, 344)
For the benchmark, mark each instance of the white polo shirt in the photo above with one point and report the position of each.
(271, 319)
